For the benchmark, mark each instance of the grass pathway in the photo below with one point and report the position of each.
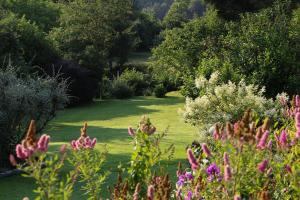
(108, 122)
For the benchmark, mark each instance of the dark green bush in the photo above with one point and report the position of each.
(136, 80)
(23, 98)
(160, 91)
(121, 90)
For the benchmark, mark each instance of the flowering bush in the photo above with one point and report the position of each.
(219, 103)
(245, 161)
(147, 152)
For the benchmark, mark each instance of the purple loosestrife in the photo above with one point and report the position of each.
(297, 124)
(131, 132)
(205, 150)
(150, 192)
(226, 158)
(283, 138)
(189, 195)
(213, 171)
(227, 173)
(137, 191)
(193, 162)
(263, 140)
(43, 142)
(262, 166)
(237, 197)
(297, 101)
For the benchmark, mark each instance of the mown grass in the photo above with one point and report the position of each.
(108, 122)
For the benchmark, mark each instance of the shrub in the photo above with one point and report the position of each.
(247, 160)
(24, 98)
(218, 102)
(136, 80)
(160, 91)
(83, 83)
(121, 90)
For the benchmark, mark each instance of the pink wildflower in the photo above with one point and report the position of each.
(297, 101)
(12, 160)
(205, 150)
(237, 197)
(297, 124)
(63, 148)
(193, 162)
(262, 166)
(288, 168)
(150, 192)
(283, 138)
(227, 173)
(131, 132)
(43, 142)
(263, 140)
(226, 158)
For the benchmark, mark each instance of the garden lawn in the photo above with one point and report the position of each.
(108, 121)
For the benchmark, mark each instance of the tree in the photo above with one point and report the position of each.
(95, 33)
(177, 15)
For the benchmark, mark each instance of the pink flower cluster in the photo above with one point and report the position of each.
(291, 111)
(83, 143)
(23, 151)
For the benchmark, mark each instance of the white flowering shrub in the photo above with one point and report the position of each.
(224, 102)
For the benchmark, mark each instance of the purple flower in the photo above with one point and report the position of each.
(205, 150)
(226, 158)
(192, 159)
(283, 138)
(263, 140)
(262, 166)
(189, 195)
(189, 176)
(150, 192)
(297, 124)
(131, 131)
(213, 171)
(227, 173)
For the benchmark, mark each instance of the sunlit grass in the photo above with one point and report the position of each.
(108, 122)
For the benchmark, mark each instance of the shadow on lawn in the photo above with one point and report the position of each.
(109, 109)
(66, 133)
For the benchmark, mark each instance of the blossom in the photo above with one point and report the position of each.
(288, 168)
(263, 140)
(189, 195)
(297, 101)
(131, 132)
(297, 124)
(189, 176)
(23, 152)
(270, 143)
(43, 142)
(263, 165)
(227, 173)
(226, 158)
(193, 162)
(150, 192)
(83, 143)
(205, 150)
(283, 138)
(12, 160)
(237, 197)
(63, 148)
(213, 169)
(137, 191)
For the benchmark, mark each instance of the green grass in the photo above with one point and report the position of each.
(108, 122)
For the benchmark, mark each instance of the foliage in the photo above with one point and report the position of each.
(147, 153)
(23, 42)
(24, 98)
(147, 29)
(121, 89)
(82, 83)
(231, 10)
(160, 91)
(178, 54)
(248, 160)
(43, 13)
(95, 33)
(218, 102)
(261, 48)
(136, 80)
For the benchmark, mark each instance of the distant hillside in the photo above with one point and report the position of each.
(160, 7)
